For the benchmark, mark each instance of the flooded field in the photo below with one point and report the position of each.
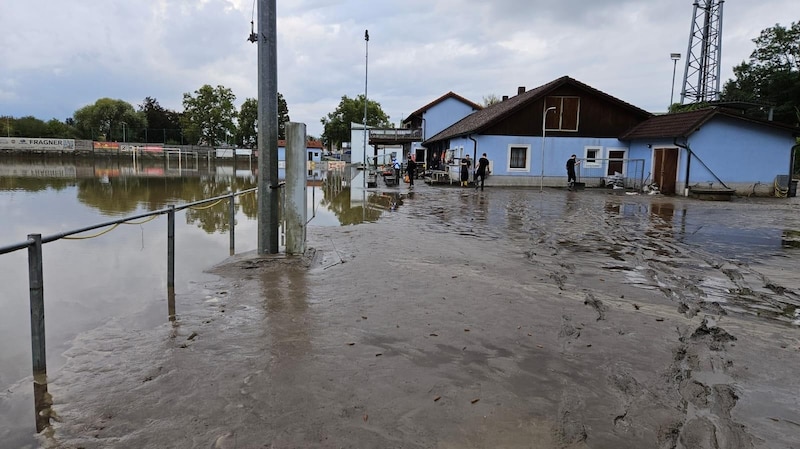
(470, 319)
(119, 278)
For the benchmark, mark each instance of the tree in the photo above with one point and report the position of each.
(351, 110)
(57, 128)
(490, 99)
(208, 117)
(107, 119)
(772, 76)
(7, 122)
(247, 131)
(283, 116)
(162, 124)
(30, 126)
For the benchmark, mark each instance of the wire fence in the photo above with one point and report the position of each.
(34, 245)
(613, 173)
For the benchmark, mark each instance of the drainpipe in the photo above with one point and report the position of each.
(791, 166)
(688, 164)
(474, 148)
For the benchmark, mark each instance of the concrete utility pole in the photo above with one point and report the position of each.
(268, 188)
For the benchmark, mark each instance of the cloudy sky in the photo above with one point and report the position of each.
(58, 56)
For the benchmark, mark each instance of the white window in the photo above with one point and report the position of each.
(592, 156)
(519, 158)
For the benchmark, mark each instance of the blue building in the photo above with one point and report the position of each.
(435, 117)
(529, 137)
(714, 148)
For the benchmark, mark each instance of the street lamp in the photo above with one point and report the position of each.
(366, 78)
(123, 131)
(675, 57)
(544, 119)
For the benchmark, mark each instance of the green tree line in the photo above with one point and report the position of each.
(209, 117)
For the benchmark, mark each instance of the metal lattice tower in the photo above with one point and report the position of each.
(702, 75)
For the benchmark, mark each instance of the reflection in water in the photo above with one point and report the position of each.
(791, 239)
(286, 304)
(81, 191)
(120, 186)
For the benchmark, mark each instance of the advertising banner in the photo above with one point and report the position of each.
(106, 146)
(36, 144)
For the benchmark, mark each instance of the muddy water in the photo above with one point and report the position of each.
(736, 256)
(509, 318)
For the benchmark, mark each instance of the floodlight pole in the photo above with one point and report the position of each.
(366, 78)
(544, 119)
(675, 57)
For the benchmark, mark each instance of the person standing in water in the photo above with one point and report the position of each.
(411, 170)
(465, 165)
(482, 171)
(571, 163)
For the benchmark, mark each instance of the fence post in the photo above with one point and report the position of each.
(295, 204)
(232, 223)
(171, 261)
(36, 284)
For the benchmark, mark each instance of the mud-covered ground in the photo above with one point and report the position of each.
(461, 319)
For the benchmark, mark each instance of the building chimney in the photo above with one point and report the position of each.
(520, 90)
(505, 97)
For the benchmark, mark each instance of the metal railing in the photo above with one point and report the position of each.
(35, 242)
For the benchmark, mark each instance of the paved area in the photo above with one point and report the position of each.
(462, 319)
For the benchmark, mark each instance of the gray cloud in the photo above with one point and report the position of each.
(58, 56)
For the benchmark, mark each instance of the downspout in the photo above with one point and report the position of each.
(795, 147)
(474, 148)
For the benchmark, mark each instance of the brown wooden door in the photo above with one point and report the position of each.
(665, 169)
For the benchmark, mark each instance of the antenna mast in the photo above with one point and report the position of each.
(701, 77)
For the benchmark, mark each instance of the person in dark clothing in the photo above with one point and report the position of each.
(482, 171)
(571, 163)
(411, 170)
(465, 165)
